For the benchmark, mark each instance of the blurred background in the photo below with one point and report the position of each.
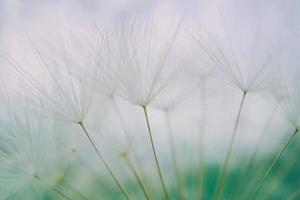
(206, 104)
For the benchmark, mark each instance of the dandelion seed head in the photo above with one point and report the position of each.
(142, 61)
(246, 64)
(176, 92)
(288, 95)
(59, 86)
(26, 157)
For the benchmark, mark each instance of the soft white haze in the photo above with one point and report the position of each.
(273, 22)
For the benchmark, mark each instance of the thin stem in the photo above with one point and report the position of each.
(123, 126)
(280, 175)
(273, 164)
(201, 172)
(74, 190)
(174, 157)
(122, 123)
(52, 188)
(94, 174)
(155, 156)
(137, 176)
(220, 184)
(294, 195)
(202, 120)
(248, 167)
(104, 162)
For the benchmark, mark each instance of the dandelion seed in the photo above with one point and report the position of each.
(142, 68)
(239, 66)
(125, 155)
(25, 160)
(289, 102)
(177, 91)
(66, 98)
(51, 90)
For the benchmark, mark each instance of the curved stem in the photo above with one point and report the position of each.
(220, 184)
(137, 176)
(104, 162)
(173, 154)
(278, 156)
(155, 155)
(52, 188)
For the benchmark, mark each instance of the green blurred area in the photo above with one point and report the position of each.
(241, 182)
